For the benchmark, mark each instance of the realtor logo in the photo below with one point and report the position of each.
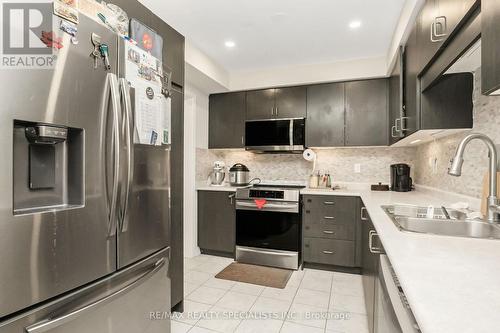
(23, 26)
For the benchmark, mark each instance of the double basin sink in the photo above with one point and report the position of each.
(439, 221)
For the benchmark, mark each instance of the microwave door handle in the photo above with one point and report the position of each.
(290, 132)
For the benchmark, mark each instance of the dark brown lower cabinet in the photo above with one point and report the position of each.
(216, 222)
(329, 229)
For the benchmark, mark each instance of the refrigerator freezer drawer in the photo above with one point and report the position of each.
(133, 300)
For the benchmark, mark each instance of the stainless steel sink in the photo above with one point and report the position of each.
(403, 217)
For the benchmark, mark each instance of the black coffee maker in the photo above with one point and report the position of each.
(400, 178)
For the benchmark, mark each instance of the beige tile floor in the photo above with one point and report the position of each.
(313, 301)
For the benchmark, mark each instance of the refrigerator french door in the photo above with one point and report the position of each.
(130, 301)
(85, 203)
(55, 239)
(144, 216)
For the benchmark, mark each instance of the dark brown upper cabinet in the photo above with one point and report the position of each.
(396, 93)
(325, 115)
(411, 83)
(448, 103)
(437, 22)
(490, 39)
(431, 31)
(260, 104)
(367, 113)
(227, 120)
(277, 103)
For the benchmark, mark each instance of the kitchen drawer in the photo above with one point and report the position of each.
(330, 230)
(329, 251)
(327, 208)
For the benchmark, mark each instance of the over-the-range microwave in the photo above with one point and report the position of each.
(275, 135)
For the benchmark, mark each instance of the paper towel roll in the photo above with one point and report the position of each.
(310, 155)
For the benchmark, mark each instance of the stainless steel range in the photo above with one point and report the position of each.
(268, 224)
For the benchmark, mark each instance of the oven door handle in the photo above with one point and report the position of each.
(290, 207)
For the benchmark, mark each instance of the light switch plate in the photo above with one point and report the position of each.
(357, 168)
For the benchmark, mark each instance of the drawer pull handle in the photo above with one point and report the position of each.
(364, 215)
(374, 249)
(329, 218)
(328, 232)
(328, 252)
(329, 203)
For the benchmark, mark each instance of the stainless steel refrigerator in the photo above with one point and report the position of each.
(84, 212)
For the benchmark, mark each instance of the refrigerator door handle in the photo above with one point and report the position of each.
(115, 104)
(50, 324)
(129, 128)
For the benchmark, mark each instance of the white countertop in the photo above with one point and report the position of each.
(224, 187)
(452, 283)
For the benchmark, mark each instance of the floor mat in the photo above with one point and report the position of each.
(260, 275)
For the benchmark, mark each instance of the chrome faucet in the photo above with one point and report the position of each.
(455, 169)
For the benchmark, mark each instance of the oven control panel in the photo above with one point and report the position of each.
(267, 194)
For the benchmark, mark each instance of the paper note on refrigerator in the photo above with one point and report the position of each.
(152, 109)
(148, 118)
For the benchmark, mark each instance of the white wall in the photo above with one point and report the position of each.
(306, 74)
(403, 29)
(195, 136)
(204, 66)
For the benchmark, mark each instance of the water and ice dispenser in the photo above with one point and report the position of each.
(48, 167)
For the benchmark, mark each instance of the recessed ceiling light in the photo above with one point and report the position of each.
(355, 24)
(229, 44)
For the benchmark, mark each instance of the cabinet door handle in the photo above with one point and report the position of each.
(403, 121)
(328, 232)
(231, 197)
(329, 218)
(329, 203)
(328, 252)
(364, 216)
(276, 111)
(373, 249)
(393, 128)
(242, 140)
(438, 36)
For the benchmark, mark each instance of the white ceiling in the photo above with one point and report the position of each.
(280, 33)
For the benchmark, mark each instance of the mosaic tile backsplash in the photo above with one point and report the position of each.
(339, 162)
(438, 153)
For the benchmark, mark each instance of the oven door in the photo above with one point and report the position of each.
(276, 226)
(275, 135)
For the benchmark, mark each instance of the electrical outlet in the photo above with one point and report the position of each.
(357, 168)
